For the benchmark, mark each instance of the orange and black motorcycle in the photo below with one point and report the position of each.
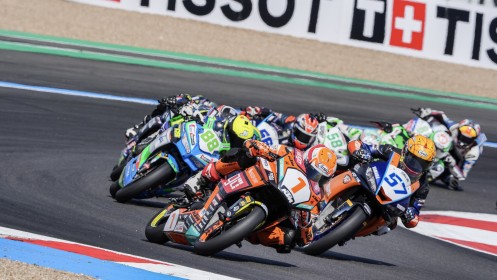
(244, 203)
(366, 200)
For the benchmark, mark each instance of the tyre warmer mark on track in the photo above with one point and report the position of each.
(118, 98)
(89, 260)
(469, 230)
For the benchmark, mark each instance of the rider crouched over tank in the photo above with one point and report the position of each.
(320, 165)
(468, 142)
(299, 132)
(414, 159)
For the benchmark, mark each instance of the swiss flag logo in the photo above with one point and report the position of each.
(408, 24)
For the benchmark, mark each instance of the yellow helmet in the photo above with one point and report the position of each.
(239, 129)
(417, 155)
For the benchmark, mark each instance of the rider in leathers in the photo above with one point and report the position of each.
(320, 164)
(468, 146)
(416, 158)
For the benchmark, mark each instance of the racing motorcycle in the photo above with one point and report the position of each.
(440, 135)
(247, 201)
(359, 202)
(171, 158)
(148, 132)
(397, 134)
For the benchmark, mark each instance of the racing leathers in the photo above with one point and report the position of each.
(280, 237)
(410, 218)
(461, 159)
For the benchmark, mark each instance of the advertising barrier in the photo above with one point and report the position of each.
(444, 30)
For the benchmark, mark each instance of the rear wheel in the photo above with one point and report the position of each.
(232, 235)
(343, 231)
(161, 174)
(155, 228)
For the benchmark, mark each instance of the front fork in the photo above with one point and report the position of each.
(330, 214)
(241, 207)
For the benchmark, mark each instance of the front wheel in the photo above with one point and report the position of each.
(232, 235)
(161, 174)
(114, 187)
(155, 228)
(117, 170)
(343, 231)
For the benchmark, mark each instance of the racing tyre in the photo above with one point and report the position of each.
(343, 231)
(161, 174)
(233, 235)
(114, 187)
(155, 228)
(117, 170)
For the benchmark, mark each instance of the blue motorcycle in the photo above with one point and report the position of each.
(173, 156)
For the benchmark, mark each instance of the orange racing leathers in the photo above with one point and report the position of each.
(281, 238)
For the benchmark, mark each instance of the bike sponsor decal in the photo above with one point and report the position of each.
(270, 176)
(346, 179)
(253, 175)
(180, 227)
(206, 159)
(235, 183)
(375, 173)
(299, 157)
(192, 129)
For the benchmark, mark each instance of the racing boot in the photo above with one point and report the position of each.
(201, 181)
(280, 238)
(288, 241)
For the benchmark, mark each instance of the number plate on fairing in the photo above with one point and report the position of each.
(209, 141)
(395, 183)
(295, 186)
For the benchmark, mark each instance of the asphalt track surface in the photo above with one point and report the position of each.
(57, 152)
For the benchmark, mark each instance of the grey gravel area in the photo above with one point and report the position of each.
(14, 270)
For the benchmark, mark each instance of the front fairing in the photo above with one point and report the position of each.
(132, 168)
(198, 145)
(390, 185)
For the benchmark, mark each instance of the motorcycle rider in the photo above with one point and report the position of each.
(415, 159)
(170, 110)
(468, 142)
(320, 165)
(172, 103)
(299, 132)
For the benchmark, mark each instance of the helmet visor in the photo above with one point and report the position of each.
(302, 136)
(312, 173)
(464, 141)
(413, 165)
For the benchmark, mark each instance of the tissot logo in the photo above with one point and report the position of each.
(368, 22)
(408, 23)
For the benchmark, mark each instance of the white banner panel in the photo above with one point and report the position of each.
(444, 30)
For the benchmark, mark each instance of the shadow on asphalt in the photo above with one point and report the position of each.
(343, 257)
